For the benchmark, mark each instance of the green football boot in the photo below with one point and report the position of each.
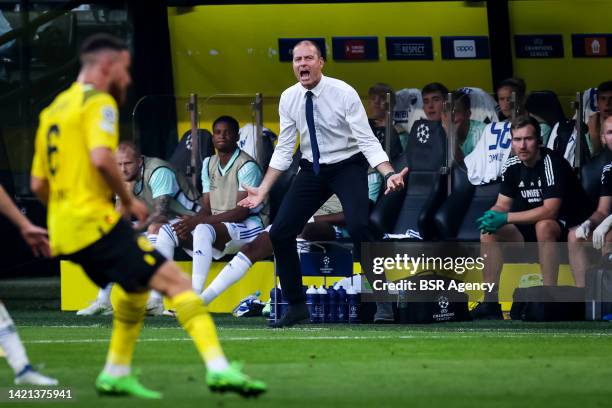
(124, 385)
(233, 379)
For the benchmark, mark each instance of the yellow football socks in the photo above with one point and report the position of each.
(127, 322)
(196, 320)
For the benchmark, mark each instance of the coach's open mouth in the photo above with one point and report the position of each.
(304, 74)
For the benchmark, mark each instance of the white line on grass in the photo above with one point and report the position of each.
(328, 338)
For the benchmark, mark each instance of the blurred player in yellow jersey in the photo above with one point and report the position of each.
(75, 173)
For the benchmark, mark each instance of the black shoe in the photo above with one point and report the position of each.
(384, 313)
(297, 313)
(488, 311)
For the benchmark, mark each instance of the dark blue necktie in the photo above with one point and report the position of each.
(313, 133)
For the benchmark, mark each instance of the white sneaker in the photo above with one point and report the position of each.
(96, 308)
(169, 313)
(155, 308)
(33, 377)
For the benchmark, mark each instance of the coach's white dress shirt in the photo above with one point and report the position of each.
(341, 125)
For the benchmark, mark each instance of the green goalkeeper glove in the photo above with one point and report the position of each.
(491, 221)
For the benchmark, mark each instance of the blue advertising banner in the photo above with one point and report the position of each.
(285, 47)
(465, 47)
(592, 45)
(409, 48)
(355, 48)
(539, 46)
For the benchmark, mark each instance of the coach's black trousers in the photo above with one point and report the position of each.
(347, 179)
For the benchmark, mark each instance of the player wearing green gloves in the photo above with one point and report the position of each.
(540, 199)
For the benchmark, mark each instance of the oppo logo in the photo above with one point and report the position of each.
(464, 48)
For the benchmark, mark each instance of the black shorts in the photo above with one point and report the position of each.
(121, 256)
(529, 233)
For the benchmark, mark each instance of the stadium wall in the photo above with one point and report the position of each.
(233, 49)
(565, 75)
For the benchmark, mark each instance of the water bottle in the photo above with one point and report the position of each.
(323, 300)
(342, 305)
(332, 307)
(312, 298)
(275, 296)
(354, 305)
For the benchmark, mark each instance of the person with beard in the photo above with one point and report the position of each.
(597, 227)
(75, 173)
(167, 195)
(604, 111)
(540, 199)
(337, 144)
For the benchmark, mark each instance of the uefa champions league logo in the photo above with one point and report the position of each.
(326, 269)
(443, 303)
(423, 133)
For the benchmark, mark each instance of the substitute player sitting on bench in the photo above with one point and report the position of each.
(540, 198)
(221, 227)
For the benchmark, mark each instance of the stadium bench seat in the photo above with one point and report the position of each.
(414, 207)
(546, 105)
(456, 218)
(181, 158)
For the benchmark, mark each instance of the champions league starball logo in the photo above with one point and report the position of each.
(443, 303)
(423, 133)
(326, 269)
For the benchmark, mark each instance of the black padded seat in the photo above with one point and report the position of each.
(546, 105)
(181, 158)
(414, 207)
(456, 218)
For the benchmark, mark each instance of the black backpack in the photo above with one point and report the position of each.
(433, 306)
(548, 304)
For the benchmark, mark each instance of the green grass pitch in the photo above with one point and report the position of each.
(501, 364)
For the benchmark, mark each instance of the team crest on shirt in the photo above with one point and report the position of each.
(109, 118)
(423, 133)
(144, 244)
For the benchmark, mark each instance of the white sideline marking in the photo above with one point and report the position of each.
(311, 338)
(97, 326)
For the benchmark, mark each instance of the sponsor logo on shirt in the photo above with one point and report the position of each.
(532, 195)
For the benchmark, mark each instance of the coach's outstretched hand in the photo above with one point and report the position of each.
(395, 182)
(254, 198)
